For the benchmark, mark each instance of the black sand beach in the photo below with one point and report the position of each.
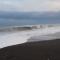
(41, 50)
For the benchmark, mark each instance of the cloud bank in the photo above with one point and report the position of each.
(30, 5)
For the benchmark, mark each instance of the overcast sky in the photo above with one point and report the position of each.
(30, 5)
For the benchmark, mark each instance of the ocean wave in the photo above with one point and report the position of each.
(10, 29)
(23, 28)
(18, 28)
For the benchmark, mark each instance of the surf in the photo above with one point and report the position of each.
(21, 34)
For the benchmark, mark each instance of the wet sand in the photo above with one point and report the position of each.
(44, 37)
(57, 35)
(40, 50)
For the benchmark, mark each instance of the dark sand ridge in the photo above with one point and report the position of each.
(36, 50)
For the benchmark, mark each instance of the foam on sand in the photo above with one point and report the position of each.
(12, 39)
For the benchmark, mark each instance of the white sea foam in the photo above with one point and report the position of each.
(24, 36)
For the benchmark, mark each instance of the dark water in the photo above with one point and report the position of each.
(18, 19)
(19, 22)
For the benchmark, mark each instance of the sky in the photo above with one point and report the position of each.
(30, 5)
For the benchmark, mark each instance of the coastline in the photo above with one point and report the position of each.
(43, 50)
(38, 45)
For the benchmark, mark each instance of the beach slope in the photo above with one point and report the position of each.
(40, 50)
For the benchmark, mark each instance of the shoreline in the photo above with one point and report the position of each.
(43, 50)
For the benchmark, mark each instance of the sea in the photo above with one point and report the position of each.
(18, 29)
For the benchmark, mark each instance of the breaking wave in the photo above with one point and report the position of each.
(23, 28)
